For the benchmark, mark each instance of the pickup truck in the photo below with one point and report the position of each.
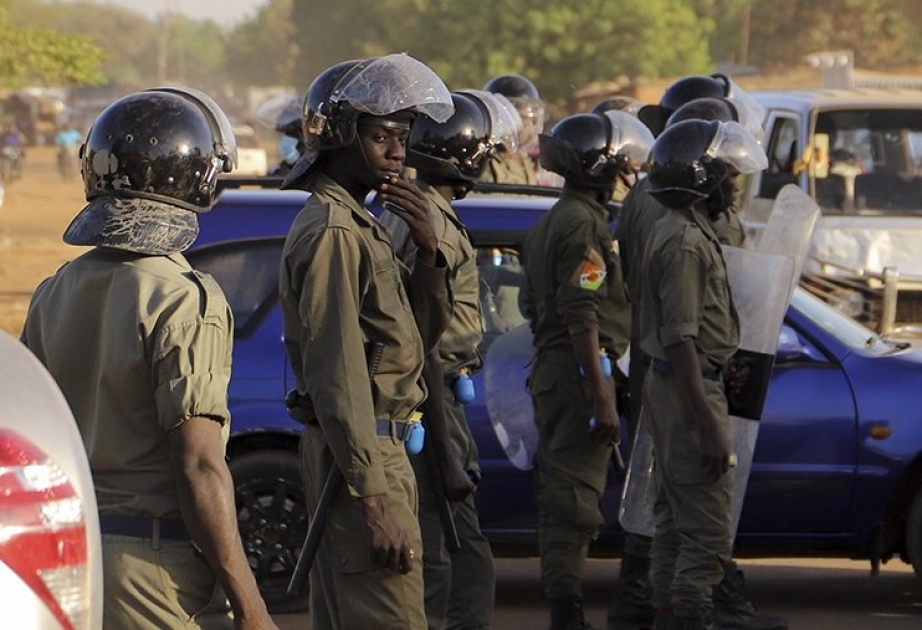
(858, 152)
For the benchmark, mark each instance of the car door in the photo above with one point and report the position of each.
(803, 471)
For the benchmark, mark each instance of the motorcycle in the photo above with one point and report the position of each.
(10, 163)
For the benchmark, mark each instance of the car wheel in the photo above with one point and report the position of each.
(914, 534)
(272, 518)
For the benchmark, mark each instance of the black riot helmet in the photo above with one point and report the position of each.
(376, 87)
(149, 164)
(455, 150)
(166, 144)
(513, 86)
(679, 93)
(707, 108)
(691, 158)
(617, 102)
(327, 122)
(590, 150)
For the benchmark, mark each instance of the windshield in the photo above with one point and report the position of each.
(869, 161)
(839, 325)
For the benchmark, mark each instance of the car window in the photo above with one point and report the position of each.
(502, 280)
(248, 272)
(783, 153)
(875, 153)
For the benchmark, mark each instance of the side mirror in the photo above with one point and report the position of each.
(790, 348)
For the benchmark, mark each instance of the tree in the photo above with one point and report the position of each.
(32, 56)
(263, 51)
(560, 46)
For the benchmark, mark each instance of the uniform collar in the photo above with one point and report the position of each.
(587, 199)
(325, 186)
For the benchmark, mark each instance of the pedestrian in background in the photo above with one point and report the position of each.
(140, 344)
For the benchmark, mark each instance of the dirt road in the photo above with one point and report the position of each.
(37, 209)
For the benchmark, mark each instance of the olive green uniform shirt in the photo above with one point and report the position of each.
(138, 344)
(341, 286)
(502, 169)
(458, 345)
(639, 213)
(574, 277)
(685, 293)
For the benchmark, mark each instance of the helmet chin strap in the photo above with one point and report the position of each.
(716, 202)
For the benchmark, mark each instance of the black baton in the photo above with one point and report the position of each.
(331, 486)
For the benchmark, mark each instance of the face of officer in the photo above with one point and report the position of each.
(377, 153)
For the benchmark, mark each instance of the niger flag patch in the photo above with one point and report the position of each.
(591, 276)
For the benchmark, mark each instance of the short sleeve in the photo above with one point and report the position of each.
(192, 364)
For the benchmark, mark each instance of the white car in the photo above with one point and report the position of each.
(252, 158)
(50, 545)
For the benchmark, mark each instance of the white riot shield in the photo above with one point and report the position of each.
(789, 229)
(509, 403)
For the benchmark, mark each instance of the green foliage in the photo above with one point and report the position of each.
(42, 56)
(264, 51)
(561, 46)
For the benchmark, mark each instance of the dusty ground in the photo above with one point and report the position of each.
(37, 209)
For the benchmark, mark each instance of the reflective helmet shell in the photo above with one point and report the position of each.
(457, 149)
(579, 149)
(682, 91)
(708, 108)
(512, 86)
(617, 102)
(680, 171)
(156, 145)
(329, 124)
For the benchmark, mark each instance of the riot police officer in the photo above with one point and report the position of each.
(140, 344)
(511, 165)
(690, 330)
(356, 336)
(449, 157)
(579, 315)
(631, 603)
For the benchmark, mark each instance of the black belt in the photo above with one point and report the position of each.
(143, 526)
(665, 369)
(394, 428)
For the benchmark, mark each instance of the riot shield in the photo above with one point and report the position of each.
(761, 282)
(789, 228)
(508, 402)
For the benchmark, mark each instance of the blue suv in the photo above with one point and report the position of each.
(837, 469)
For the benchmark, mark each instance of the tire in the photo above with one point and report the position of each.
(914, 534)
(272, 518)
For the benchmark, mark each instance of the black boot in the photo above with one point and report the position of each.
(689, 623)
(732, 608)
(567, 614)
(630, 608)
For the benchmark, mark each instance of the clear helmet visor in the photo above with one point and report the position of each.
(384, 85)
(503, 128)
(280, 112)
(508, 136)
(630, 137)
(751, 113)
(735, 145)
(225, 139)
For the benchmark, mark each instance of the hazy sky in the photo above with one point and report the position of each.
(224, 12)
